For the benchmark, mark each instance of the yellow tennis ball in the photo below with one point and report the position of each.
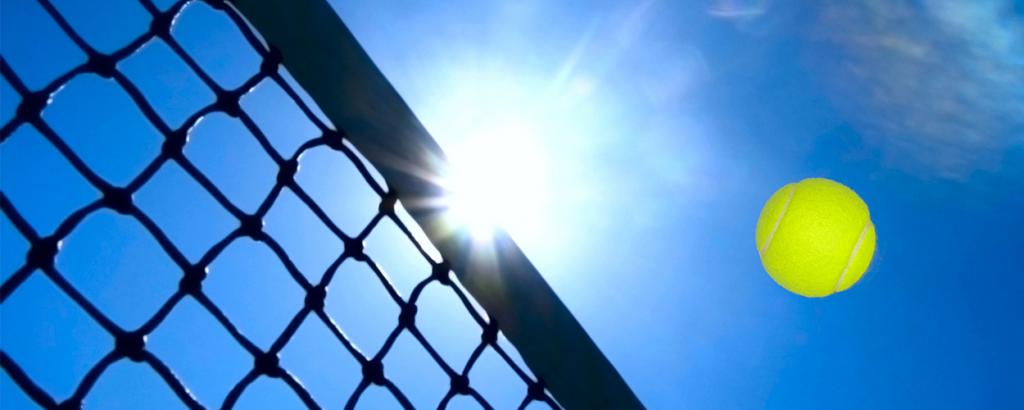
(815, 237)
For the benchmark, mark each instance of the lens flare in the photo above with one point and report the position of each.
(497, 181)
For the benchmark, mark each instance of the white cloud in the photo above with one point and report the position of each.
(938, 85)
(738, 9)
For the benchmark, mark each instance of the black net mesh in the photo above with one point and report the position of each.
(131, 344)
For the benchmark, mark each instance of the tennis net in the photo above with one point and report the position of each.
(349, 111)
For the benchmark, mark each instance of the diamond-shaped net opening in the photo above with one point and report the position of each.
(156, 224)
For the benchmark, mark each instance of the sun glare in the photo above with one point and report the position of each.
(497, 180)
(496, 126)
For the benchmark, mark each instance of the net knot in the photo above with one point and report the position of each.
(103, 65)
(70, 404)
(192, 282)
(270, 61)
(32, 106)
(354, 249)
(268, 364)
(373, 371)
(174, 144)
(439, 272)
(286, 175)
(387, 204)
(536, 391)
(251, 226)
(131, 345)
(227, 102)
(315, 298)
(490, 334)
(118, 199)
(161, 24)
(460, 384)
(43, 252)
(333, 139)
(407, 318)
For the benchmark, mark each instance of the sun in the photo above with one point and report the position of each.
(496, 127)
(498, 181)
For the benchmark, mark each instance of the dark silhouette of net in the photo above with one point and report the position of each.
(130, 344)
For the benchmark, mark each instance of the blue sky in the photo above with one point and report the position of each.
(660, 130)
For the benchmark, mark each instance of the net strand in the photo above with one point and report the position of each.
(131, 344)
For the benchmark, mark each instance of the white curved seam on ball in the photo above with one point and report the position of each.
(853, 254)
(778, 221)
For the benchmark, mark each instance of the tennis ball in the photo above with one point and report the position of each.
(815, 237)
